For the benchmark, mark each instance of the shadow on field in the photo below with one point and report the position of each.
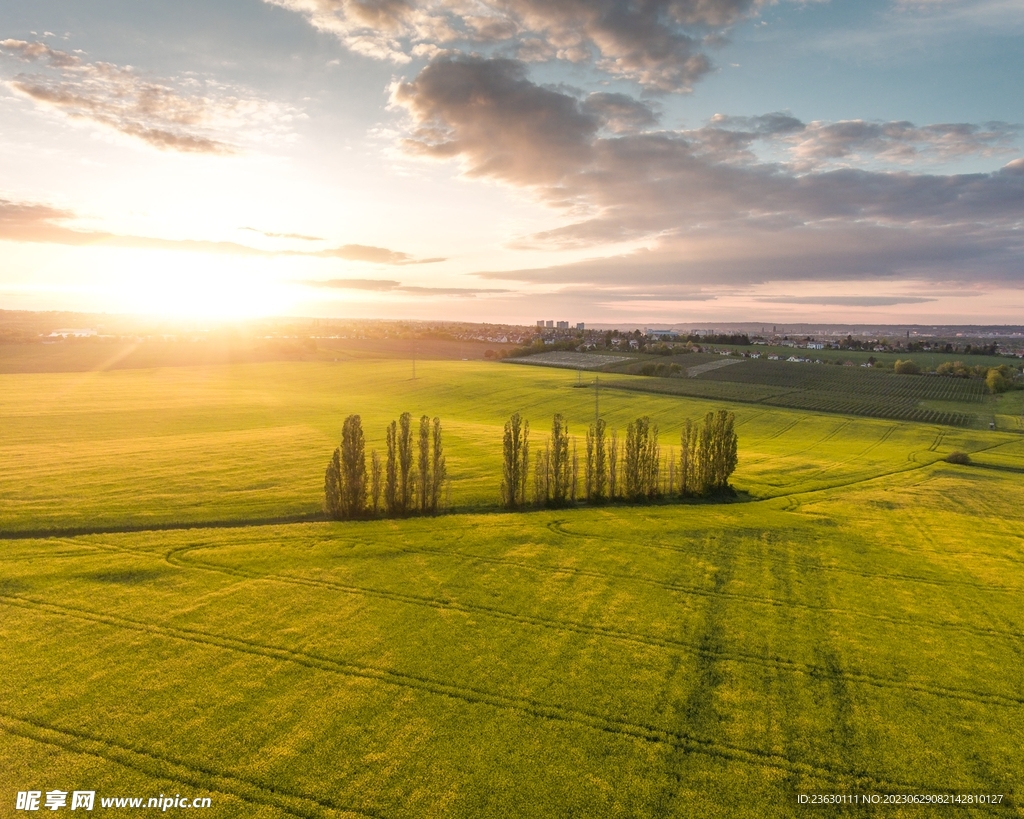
(129, 577)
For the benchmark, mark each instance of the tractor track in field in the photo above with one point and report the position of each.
(161, 766)
(699, 591)
(793, 498)
(779, 432)
(828, 437)
(830, 467)
(518, 704)
(678, 588)
(621, 635)
(555, 526)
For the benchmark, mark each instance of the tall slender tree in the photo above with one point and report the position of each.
(353, 468)
(391, 491)
(406, 478)
(575, 470)
(332, 487)
(633, 464)
(424, 491)
(687, 460)
(560, 463)
(515, 462)
(600, 461)
(589, 465)
(705, 456)
(651, 461)
(613, 466)
(542, 476)
(376, 471)
(438, 468)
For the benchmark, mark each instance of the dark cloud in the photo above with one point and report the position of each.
(620, 112)
(491, 116)
(186, 119)
(659, 43)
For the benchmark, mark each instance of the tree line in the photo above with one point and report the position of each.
(607, 470)
(411, 478)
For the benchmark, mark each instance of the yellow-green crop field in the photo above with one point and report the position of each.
(175, 619)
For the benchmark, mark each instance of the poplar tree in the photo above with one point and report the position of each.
(515, 462)
(424, 490)
(613, 466)
(405, 473)
(439, 470)
(705, 456)
(600, 461)
(391, 492)
(725, 449)
(542, 476)
(589, 465)
(353, 468)
(332, 487)
(574, 480)
(687, 459)
(560, 465)
(643, 459)
(376, 470)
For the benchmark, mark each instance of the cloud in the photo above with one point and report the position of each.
(902, 141)
(27, 222)
(498, 122)
(365, 253)
(298, 236)
(379, 285)
(660, 44)
(191, 118)
(388, 286)
(620, 112)
(846, 301)
(702, 201)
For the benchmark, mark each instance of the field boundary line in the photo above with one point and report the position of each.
(129, 529)
(533, 708)
(147, 762)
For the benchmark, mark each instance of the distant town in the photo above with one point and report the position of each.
(22, 327)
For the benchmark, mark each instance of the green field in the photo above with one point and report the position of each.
(175, 618)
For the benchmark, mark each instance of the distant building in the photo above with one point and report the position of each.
(579, 326)
(540, 322)
(549, 324)
(563, 325)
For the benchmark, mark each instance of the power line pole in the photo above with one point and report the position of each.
(597, 399)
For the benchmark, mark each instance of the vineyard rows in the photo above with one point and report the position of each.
(859, 381)
(852, 402)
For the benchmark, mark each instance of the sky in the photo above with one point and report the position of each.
(651, 162)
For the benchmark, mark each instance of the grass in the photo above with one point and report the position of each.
(853, 626)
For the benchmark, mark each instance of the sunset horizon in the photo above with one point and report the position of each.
(730, 160)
